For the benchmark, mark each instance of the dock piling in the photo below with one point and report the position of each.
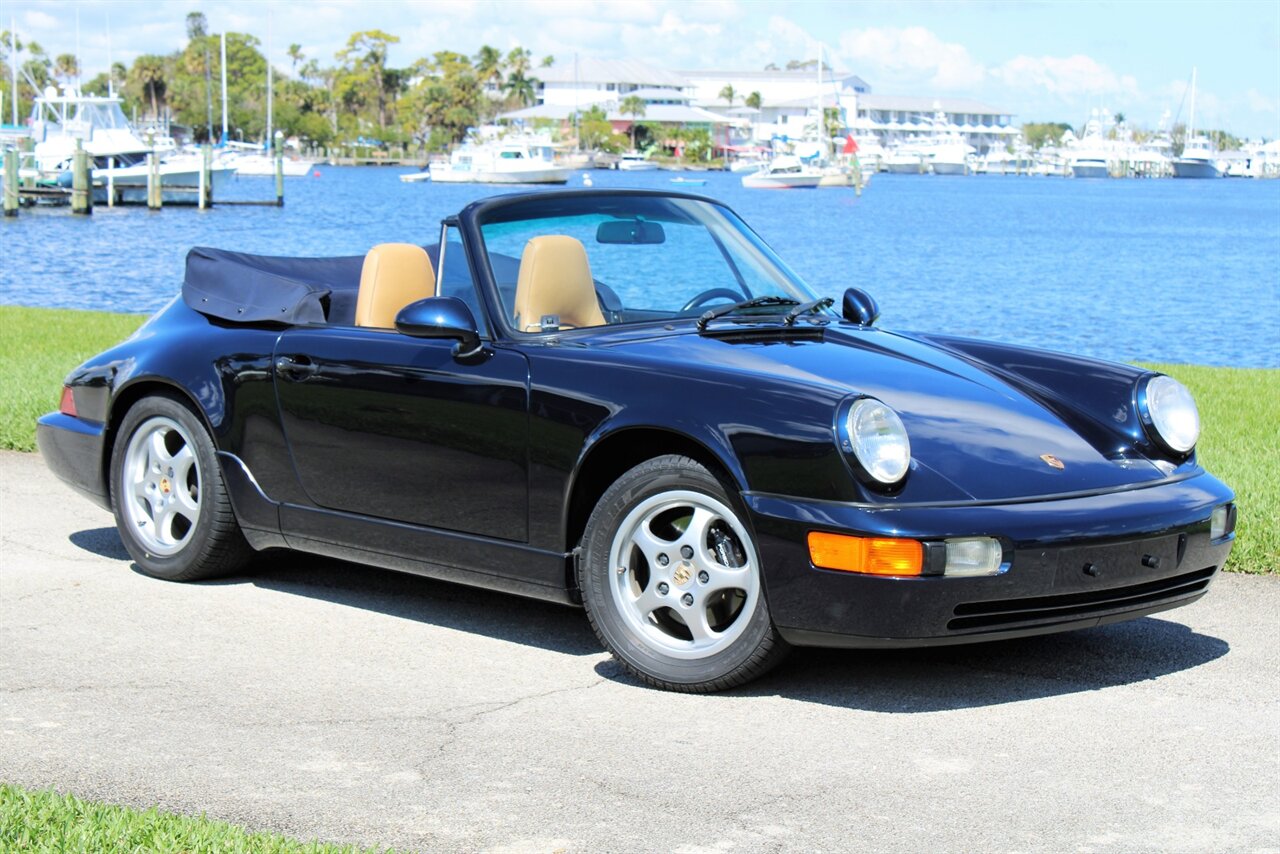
(278, 149)
(11, 182)
(81, 183)
(153, 182)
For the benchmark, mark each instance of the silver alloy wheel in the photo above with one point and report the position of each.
(162, 504)
(684, 574)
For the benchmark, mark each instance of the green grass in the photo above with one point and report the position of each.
(38, 347)
(1239, 407)
(46, 821)
(1240, 443)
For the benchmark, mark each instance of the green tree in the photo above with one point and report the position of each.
(520, 88)
(66, 68)
(728, 95)
(1040, 134)
(364, 62)
(547, 61)
(148, 76)
(634, 106)
(596, 132)
(446, 100)
(295, 56)
(755, 100)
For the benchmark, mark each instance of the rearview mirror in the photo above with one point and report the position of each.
(441, 317)
(860, 307)
(630, 231)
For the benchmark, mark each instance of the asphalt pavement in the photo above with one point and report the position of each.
(325, 700)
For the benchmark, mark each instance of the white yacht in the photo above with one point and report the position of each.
(952, 155)
(1199, 156)
(784, 172)
(909, 157)
(501, 162)
(257, 162)
(634, 161)
(119, 157)
(1090, 156)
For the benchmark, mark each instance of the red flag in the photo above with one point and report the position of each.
(850, 147)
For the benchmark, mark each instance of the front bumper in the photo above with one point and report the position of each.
(1045, 588)
(73, 450)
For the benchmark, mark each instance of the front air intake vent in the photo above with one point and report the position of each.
(1046, 610)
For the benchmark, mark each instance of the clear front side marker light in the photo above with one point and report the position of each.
(973, 556)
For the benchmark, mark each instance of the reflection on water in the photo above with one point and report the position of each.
(1182, 271)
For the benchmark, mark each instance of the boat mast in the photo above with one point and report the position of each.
(111, 74)
(1191, 122)
(268, 144)
(13, 69)
(224, 87)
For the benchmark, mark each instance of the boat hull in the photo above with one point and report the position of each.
(1090, 170)
(1195, 169)
(637, 165)
(905, 167)
(942, 167)
(130, 184)
(781, 182)
(549, 175)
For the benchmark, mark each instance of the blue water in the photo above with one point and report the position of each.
(1178, 271)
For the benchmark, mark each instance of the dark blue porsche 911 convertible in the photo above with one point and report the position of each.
(625, 400)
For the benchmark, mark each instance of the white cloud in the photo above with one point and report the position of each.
(911, 57)
(37, 20)
(1260, 103)
(1070, 77)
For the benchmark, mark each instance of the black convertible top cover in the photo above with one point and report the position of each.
(258, 288)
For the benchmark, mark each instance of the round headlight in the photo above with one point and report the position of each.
(1172, 412)
(879, 440)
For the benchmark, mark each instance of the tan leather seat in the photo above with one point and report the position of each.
(555, 281)
(394, 275)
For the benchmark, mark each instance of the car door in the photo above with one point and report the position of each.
(388, 426)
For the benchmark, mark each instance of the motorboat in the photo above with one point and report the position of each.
(1090, 156)
(118, 156)
(256, 162)
(1199, 155)
(951, 155)
(501, 162)
(634, 161)
(784, 172)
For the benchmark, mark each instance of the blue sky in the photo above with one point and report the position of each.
(1042, 61)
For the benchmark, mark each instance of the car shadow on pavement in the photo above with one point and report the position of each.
(491, 613)
(912, 680)
(104, 542)
(988, 674)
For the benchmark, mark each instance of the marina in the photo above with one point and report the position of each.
(1044, 262)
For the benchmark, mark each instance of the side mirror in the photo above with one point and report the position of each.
(441, 317)
(860, 307)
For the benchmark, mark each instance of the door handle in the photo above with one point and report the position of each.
(296, 367)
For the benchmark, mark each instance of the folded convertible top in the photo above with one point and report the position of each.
(257, 288)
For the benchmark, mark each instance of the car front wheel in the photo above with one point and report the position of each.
(671, 580)
(171, 507)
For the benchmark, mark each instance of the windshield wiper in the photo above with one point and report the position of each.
(805, 308)
(722, 310)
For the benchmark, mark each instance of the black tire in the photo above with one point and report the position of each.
(197, 536)
(649, 629)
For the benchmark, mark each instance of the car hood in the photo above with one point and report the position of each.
(989, 433)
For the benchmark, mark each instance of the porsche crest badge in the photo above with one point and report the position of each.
(1053, 461)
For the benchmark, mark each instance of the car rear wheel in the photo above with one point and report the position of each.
(170, 504)
(671, 580)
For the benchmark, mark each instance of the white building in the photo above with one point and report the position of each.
(897, 117)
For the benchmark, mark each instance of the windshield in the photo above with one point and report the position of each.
(571, 261)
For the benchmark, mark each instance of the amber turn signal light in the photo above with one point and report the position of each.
(866, 555)
(67, 406)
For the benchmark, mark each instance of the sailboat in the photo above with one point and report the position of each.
(1199, 157)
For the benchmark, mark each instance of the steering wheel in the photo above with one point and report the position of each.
(708, 295)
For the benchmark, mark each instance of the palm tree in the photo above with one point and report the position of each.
(755, 100)
(488, 65)
(632, 105)
(66, 68)
(547, 61)
(148, 75)
(728, 94)
(295, 55)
